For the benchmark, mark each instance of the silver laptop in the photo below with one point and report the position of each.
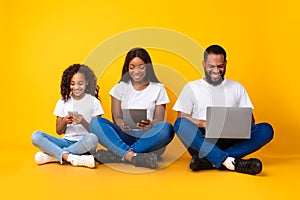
(133, 116)
(228, 122)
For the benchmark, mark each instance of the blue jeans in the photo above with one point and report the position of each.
(59, 146)
(113, 138)
(217, 150)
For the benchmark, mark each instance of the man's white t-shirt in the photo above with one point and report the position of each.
(154, 94)
(89, 106)
(197, 95)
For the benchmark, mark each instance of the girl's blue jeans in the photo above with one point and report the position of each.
(217, 150)
(114, 139)
(59, 146)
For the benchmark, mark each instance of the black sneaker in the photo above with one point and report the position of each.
(103, 157)
(251, 166)
(197, 163)
(148, 160)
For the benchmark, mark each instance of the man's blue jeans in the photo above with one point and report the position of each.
(217, 150)
(59, 146)
(114, 139)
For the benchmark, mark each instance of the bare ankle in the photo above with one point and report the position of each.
(129, 155)
(65, 156)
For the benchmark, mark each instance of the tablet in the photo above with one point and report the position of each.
(133, 116)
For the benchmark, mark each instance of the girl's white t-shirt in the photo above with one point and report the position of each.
(154, 94)
(89, 106)
(197, 95)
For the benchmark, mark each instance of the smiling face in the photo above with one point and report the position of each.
(214, 68)
(78, 85)
(137, 70)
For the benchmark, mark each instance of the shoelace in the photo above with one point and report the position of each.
(244, 165)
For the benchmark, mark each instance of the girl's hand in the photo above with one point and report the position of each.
(68, 119)
(145, 125)
(78, 119)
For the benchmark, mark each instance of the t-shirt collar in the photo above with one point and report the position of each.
(204, 82)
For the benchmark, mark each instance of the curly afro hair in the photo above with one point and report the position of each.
(92, 87)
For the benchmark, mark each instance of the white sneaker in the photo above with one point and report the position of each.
(82, 160)
(42, 158)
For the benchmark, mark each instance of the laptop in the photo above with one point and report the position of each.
(228, 122)
(133, 116)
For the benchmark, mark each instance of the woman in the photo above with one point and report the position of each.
(138, 88)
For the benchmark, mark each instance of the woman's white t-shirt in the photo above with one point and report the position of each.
(89, 106)
(197, 95)
(154, 94)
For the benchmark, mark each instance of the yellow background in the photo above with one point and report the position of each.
(39, 39)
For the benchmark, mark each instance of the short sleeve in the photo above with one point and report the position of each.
(185, 102)
(162, 96)
(97, 108)
(244, 100)
(117, 91)
(59, 108)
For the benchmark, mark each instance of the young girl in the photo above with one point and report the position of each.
(78, 105)
(138, 88)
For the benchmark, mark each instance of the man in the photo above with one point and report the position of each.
(215, 90)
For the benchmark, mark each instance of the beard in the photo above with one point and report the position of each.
(213, 82)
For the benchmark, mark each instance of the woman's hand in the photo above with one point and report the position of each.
(145, 125)
(123, 126)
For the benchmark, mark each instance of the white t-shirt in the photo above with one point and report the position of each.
(197, 95)
(154, 94)
(89, 106)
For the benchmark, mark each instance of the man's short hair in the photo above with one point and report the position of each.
(214, 49)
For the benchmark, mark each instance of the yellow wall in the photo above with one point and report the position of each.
(39, 39)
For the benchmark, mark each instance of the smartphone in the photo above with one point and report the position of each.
(74, 113)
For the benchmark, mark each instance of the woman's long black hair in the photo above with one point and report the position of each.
(142, 54)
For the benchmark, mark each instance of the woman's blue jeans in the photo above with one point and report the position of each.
(114, 139)
(217, 150)
(59, 146)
